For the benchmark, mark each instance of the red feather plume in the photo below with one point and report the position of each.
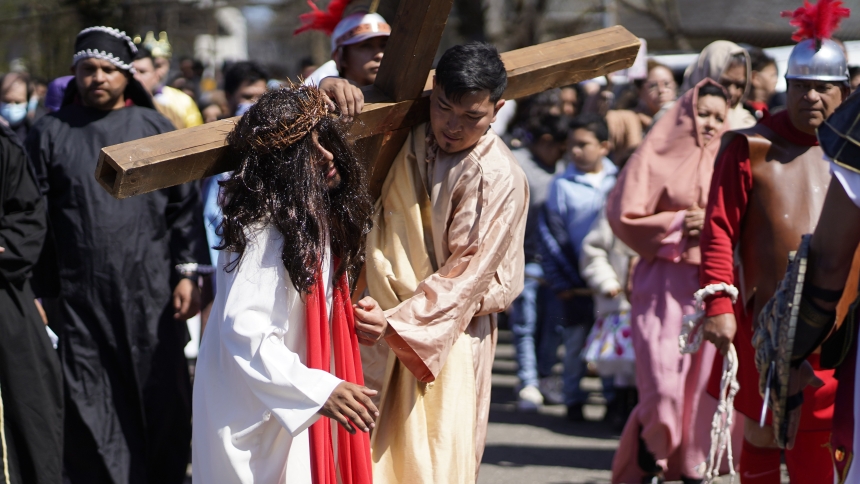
(326, 21)
(817, 21)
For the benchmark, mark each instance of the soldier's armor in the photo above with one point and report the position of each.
(789, 186)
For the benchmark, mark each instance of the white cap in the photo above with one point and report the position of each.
(358, 27)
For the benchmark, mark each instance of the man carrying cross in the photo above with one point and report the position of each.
(444, 256)
(280, 349)
(475, 208)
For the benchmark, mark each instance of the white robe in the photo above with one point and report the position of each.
(253, 395)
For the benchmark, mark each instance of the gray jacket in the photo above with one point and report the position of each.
(603, 263)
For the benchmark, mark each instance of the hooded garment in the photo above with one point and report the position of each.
(668, 174)
(711, 63)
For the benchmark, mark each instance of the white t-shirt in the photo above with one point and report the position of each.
(594, 179)
(329, 69)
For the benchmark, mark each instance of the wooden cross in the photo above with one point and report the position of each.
(398, 100)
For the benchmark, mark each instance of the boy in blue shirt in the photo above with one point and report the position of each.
(575, 199)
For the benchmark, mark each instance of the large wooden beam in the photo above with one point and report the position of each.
(409, 53)
(169, 159)
(410, 50)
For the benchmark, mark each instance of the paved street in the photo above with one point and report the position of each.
(543, 448)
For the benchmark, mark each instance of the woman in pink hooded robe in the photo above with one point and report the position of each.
(657, 209)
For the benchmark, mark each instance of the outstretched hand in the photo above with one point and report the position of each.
(370, 322)
(342, 95)
(350, 405)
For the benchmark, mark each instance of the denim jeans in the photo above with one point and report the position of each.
(573, 319)
(529, 330)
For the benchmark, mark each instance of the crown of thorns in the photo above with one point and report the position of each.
(311, 108)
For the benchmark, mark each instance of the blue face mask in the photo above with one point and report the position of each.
(13, 112)
(243, 108)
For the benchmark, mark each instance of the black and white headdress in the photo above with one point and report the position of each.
(106, 43)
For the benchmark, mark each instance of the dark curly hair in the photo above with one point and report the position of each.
(286, 188)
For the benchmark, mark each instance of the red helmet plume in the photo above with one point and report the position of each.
(326, 21)
(817, 21)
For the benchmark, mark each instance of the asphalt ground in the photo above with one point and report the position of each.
(544, 447)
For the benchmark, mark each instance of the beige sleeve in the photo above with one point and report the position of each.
(487, 216)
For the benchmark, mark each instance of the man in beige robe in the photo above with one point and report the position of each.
(444, 256)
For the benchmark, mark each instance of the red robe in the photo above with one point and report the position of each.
(730, 189)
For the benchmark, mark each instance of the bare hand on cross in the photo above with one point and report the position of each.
(343, 96)
(396, 102)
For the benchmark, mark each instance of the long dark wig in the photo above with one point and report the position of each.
(285, 187)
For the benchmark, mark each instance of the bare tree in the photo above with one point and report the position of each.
(666, 14)
(471, 19)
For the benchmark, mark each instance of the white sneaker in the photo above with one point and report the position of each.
(550, 388)
(529, 399)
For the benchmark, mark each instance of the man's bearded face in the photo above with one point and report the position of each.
(100, 84)
(326, 163)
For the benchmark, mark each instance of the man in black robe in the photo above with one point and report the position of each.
(31, 383)
(121, 307)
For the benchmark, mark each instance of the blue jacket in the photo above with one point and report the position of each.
(571, 208)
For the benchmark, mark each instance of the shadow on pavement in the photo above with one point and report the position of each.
(517, 456)
(555, 422)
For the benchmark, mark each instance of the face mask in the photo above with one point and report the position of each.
(243, 108)
(13, 112)
(33, 104)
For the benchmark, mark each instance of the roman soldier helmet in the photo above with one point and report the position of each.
(816, 57)
(345, 30)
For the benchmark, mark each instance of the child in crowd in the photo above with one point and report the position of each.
(574, 202)
(541, 160)
(604, 263)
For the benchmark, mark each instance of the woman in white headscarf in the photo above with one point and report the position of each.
(728, 64)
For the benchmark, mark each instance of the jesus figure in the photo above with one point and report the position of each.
(280, 350)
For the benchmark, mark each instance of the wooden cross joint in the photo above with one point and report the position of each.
(397, 101)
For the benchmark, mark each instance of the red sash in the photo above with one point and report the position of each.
(353, 451)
